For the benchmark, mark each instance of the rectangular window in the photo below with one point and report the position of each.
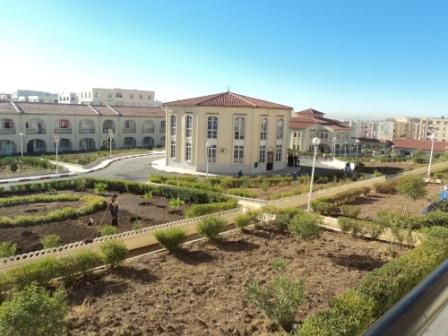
(8, 123)
(212, 127)
(262, 158)
(238, 154)
(188, 126)
(278, 153)
(188, 151)
(63, 123)
(212, 154)
(173, 149)
(239, 128)
(162, 125)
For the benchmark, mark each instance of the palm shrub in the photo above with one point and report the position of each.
(34, 312)
(113, 252)
(108, 230)
(171, 238)
(210, 227)
(50, 240)
(7, 249)
(305, 226)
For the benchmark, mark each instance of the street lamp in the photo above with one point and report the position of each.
(21, 144)
(432, 138)
(334, 147)
(110, 131)
(357, 148)
(56, 142)
(207, 152)
(316, 143)
(345, 149)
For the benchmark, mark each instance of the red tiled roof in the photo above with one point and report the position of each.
(228, 99)
(310, 111)
(310, 117)
(425, 145)
(6, 107)
(135, 111)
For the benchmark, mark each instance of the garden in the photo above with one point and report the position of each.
(11, 166)
(44, 215)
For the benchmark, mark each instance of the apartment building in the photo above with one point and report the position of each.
(32, 126)
(310, 123)
(117, 97)
(227, 133)
(33, 96)
(67, 98)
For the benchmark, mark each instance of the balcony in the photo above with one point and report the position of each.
(86, 131)
(36, 131)
(129, 130)
(148, 130)
(7, 131)
(62, 130)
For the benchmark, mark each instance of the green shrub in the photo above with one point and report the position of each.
(435, 218)
(377, 173)
(13, 167)
(204, 209)
(283, 217)
(40, 198)
(279, 265)
(114, 252)
(50, 240)
(137, 225)
(399, 221)
(34, 312)
(350, 225)
(210, 227)
(100, 187)
(374, 230)
(412, 186)
(241, 192)
(7, 249)
(385, 187)
(171, 238)
(79, 264)
(108, 230)
(242, 221)
(175, 203)
(305, 226)
(350, 211)
(148, 196)
(279, 300)
(324, 208)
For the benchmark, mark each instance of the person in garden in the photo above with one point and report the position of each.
(113, 208)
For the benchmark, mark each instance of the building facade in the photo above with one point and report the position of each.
(117, 97)
(310, 123)
(33, 96)
(33, 126)
(66, 97)
(227, 133)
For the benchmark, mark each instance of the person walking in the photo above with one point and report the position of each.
(113, 208)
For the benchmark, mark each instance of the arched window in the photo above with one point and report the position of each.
(173, 125)
(263, 129)
(212, 127)
(239, 128)
(280, 124)
(188, 125)
(148, 126)
(63, 123)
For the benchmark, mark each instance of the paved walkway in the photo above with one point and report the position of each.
(161, 166)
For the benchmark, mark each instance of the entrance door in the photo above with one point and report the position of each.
(270, 161)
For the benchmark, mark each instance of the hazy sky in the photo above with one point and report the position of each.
(354, 58)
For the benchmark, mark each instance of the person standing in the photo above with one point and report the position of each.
(113, 208)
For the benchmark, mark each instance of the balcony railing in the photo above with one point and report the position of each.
(36, 131)
(62, 130)
(129, 130)
(86, 131)
(148, 130)
(7, 131)
(106, 130)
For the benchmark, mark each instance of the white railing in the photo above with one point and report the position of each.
(7, 131)
(62, 130)
(148, 130)
(86, 131)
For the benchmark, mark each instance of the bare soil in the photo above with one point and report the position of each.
(132, 208)
(201, 290)
(375, 202)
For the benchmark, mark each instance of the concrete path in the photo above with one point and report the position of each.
(162, 167)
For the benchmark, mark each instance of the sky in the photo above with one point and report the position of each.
(362, 59)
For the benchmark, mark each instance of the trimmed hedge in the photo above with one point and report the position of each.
(171, 238)
(17, 200)
(203, 209)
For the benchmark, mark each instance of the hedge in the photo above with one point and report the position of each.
(203, 209)
(17, 200)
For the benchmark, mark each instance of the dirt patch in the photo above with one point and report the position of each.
(132, 208)
(374, 202)
(201, 291)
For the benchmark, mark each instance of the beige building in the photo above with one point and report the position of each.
(79, 127)
(310, 123)
(117, 97)
(229, 131)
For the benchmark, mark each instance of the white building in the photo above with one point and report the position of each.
(67, 98)
(117, 97)
(79, 127)
(33, 96)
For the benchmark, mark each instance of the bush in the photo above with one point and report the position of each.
(108, 230)
(7, 249)
(435, 218)
(241, 192)
(350, 225)
(350, 211)
(40, 198)
(284, 217)
(175, 203)
(148, 196)
(171, 238)
(242, 221)
(305, 226)
(137, 225)
(114, 252)
(204, 209)
(210, 227)
(385, 188)
(374, 230)
(279, 265)
(100, 187)
(34, 312)
(323, 207)
(412, 186)
(50, 240)
(13, 167)
(279, 300)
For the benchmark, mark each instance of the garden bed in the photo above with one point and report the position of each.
(202, 290)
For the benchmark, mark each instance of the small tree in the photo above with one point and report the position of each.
(34, 312)
(413, 187)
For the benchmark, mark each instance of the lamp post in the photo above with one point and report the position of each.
(357, 149)
(345, 149)
(432, 138)
(56, 142)
(110, 132)
(21, 143)
(316, 143)
(207, 152)
(334, 147)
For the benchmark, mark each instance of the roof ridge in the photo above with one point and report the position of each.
(239, 97)
(113, 110)
(94, 110)
(16, 107)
